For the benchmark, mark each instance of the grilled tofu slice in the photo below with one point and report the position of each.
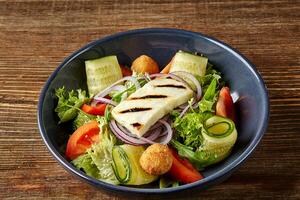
(150, 103)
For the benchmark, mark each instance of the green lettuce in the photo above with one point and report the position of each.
(130, 88)
(198, 158)
(81, 119)
(97, 161)
(85, 163)
(210, 74)
(188, 128)
(209, 98)
(69, 103)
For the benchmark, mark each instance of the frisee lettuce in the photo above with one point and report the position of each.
(69, 103)
(97, 161)
(81, 119)
(85, 163)
(188, 128)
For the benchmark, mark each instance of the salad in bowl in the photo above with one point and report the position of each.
(137, 125)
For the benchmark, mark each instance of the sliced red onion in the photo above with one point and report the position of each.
(150, 135)
(195, 81)
(166, 139)
(173, 76)
(157, 124)
(118, 87)
(103, 100)
(123, 134)
(194, 105)
(184, 111)
(155, 133)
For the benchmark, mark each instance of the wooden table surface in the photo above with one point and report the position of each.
(35, 36)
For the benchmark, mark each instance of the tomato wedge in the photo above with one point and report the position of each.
(82, 139)
(125, 70)
(225, 106)
(98, 110)
(182, 170)
(167, 68)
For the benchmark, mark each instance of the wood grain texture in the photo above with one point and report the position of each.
(35, 36)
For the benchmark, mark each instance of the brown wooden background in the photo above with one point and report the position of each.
(35, 36)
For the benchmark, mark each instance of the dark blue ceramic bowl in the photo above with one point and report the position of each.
(246, 85)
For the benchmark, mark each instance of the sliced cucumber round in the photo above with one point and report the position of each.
(218, 139)
(121, 166)
(127, 167)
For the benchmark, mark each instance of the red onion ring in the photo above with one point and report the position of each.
(123, 134)
(173, 76)
(194, 105)
(103, 100)
(195, 81)
(184, 111)
(169, 135)
(107, 90)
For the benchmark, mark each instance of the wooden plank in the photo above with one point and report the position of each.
(36, 35)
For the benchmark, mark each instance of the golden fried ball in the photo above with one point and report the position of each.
(144, 64)
(156, 159)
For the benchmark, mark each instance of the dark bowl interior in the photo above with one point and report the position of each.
(246, 85)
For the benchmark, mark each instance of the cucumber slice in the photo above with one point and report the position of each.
(217, 126)
(187, 62)
(101, 73)
(218, 139)
(126, 165)
(121, 165)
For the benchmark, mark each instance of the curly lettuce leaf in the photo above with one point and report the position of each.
(69, 103)
(97, 161)
(101, 153)
(85, 163)
(81, 119)
(210, 74)
(188, 128)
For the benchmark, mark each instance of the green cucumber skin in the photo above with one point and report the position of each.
(215, 120)
(136, 175)
(101, 73)
(191, 63)
(213, 149)
(125, 162)
(218, 147)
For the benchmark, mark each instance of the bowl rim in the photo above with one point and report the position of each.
(206, 181)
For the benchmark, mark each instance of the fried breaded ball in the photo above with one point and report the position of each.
(144, 64)
(156, 159)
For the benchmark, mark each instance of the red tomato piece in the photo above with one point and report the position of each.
(182, 170)
(125, 71)
(225, 106)
(98, 110)
(82, 139)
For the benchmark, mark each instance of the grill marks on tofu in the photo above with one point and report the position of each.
(151, 96)
(137, 125)
(171, 86)
(147, 105)
(132, 110)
